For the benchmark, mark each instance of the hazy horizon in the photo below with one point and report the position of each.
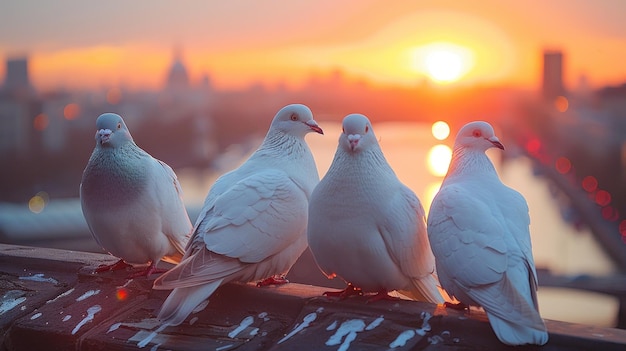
(239, 43)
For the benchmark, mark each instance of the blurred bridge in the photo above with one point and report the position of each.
(606, 234)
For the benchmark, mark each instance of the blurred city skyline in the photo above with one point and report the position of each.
(77, 45)
(198, 82)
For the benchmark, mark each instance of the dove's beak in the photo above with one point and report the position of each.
(103, 135)
(314, 127)
(496, 143)
(353, 139)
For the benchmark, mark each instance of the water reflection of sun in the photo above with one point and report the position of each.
(440, 155)
(439, 158)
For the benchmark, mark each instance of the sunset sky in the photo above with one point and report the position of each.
(239, 42)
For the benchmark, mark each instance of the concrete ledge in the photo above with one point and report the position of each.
(50, 300)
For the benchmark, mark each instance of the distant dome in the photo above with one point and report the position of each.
(178, 77)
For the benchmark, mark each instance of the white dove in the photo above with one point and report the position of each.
(131, 201)
(253, 222)
(478, 230)
(365, 226)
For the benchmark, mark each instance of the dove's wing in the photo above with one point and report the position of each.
(87, 214)
(479, 232)
(478, 256)
(404, 233)
(466, 238)
(517, 220)
(168, 191)
(256, 218)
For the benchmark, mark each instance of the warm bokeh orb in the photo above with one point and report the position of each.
(439, 158)
(440, 130)
(121, 294)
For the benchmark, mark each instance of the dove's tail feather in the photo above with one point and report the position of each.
(424, 289)
(173, 259)
(513, 333)
(182, 301)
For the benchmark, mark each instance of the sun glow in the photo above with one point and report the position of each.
(439, 158)
(443, 62)
(440, 130)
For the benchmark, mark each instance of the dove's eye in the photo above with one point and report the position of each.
(367, 129)
(477, 133)
(119, 125)
(294, 117)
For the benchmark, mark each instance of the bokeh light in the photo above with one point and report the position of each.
(121, 294)
(563, 165)
(440, 130)
(603, 198)
(533, 146)
(71, 111)
(41, 122)
(561, 103)
(610, 213)
(439, 157)
(590, 183)
(37, 203)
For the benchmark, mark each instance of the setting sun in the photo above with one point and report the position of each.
(443, 66)
(443, 62)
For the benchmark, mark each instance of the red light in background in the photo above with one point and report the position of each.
(41, 122)
(603, 197)
(607, 212)
(590, 183)
(610, 213)
(563, 165)
(71, 111)
(561, 103)
(533, 146)
(121, 294)
(622, 230)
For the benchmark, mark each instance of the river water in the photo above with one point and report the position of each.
(557, 245)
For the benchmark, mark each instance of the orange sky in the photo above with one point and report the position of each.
(78, 44)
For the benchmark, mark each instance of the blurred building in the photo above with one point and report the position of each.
(552, 79)
(19, 106)
(186, 108)
(177, 77)
(17, 79)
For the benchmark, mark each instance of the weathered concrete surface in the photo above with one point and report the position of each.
(50, 300)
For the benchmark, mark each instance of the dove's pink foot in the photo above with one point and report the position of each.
(151, 269)
(119, 265)
(382, 295)
(350, 290)
(273, 280)
(456, 306)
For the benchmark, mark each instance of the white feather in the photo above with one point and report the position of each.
(365, 226)
(479, 233)
(131, 201)
(253, 221)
